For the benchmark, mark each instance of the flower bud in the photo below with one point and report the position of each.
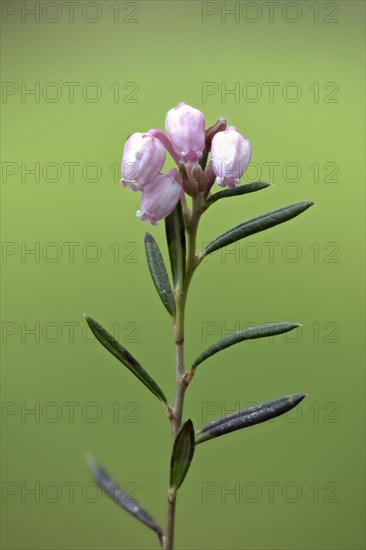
(142, 160)
(160, 197)
(209, 178)
(230, 154)
(189, 186)
(195, 176)
(186, 129)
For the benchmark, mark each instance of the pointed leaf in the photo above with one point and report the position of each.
(176, 239)
(183, 450)
(116, 349)
(158, 273)
(259, 331)
(249, 417)
(241, 190)
(124, 500)
(257, 224)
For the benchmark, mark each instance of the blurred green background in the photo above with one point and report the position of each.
(100, 71)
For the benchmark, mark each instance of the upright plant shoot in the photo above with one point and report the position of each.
(180, 196)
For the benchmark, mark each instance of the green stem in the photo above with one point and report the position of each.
(182, 380)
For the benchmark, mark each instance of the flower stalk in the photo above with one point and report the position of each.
(182, 376)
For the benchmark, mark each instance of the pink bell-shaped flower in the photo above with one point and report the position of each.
(230, 155)
(186, 129)
(160, 197)
(142, 160)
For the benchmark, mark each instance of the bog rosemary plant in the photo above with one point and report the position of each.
(219, 154)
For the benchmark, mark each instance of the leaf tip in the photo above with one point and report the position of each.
(189, 427)
(89, 320)
(91, 464)
(297, 398)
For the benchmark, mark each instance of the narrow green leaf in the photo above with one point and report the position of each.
(158, 273)
(259, 331)
(123, 499)
(116, 349)
(236, 191)
(257, 224)
(182, 454)
(249, 417)
(176, 239)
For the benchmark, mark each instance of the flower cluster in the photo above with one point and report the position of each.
(191, 145)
